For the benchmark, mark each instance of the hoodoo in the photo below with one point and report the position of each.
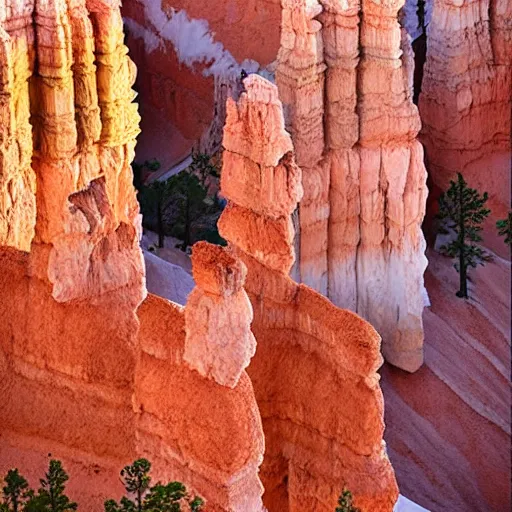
(309, 351)
(343, 72)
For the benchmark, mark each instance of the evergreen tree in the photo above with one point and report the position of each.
(158, 498)
(203, 167)
(504, 227)
(152, 199)
(16, 492)
(463, 208)
(51, 497)
(189, 195)
(345, 502)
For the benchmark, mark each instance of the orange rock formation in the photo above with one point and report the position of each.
(466, 100)
(358, 240)
(96, 372)
(308, 351)
(89, 370)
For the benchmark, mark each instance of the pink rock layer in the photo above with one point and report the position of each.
(309, 352)
(344, 74)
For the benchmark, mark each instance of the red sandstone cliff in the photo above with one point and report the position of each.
(466, 100)
(309, 352)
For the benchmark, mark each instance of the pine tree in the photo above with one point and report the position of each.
(16, 492)
(345, 502)
(504, 227)
(51, 497)
(158, 498)
(463, 208)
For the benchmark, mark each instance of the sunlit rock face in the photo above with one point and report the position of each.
(346, 88)
(466, 100)
(91, 370)
(344, 74)
(310, 354)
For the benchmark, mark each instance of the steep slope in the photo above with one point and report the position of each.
(448, 425)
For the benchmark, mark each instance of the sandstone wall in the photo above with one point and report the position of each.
(309, 351)
(466, 100)
(90, 369)
(190, 64)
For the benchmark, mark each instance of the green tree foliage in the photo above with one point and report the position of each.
(345, 502)
(18, 497)
(157, 498)
(504, 227)
(150, 165)
(203, 168)
(16, 492)
(463, 209)
(142, 497)
(181, 206)
(51, 497)
(152, 200)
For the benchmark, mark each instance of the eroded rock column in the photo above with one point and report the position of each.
(310, 354)
(360, 239)
(91, 370)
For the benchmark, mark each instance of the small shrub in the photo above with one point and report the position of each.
(345, 502)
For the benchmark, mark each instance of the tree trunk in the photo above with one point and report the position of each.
(160, 222)
(463, 291)
(186, 241)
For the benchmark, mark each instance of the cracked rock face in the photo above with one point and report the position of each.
(310, 354)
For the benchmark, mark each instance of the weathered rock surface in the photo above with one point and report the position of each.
(309, 352)
(191, 55)
(90, 369)
(466, 100)
(344, 75)
(219, 342)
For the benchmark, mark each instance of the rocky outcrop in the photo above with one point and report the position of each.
(90, 369)
(466, 100)
(364, 179)
(358, 234)
(309, 351)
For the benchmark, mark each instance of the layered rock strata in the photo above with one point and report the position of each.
(309, 351)
(344, 74)
(466, 99)
(90, 369)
